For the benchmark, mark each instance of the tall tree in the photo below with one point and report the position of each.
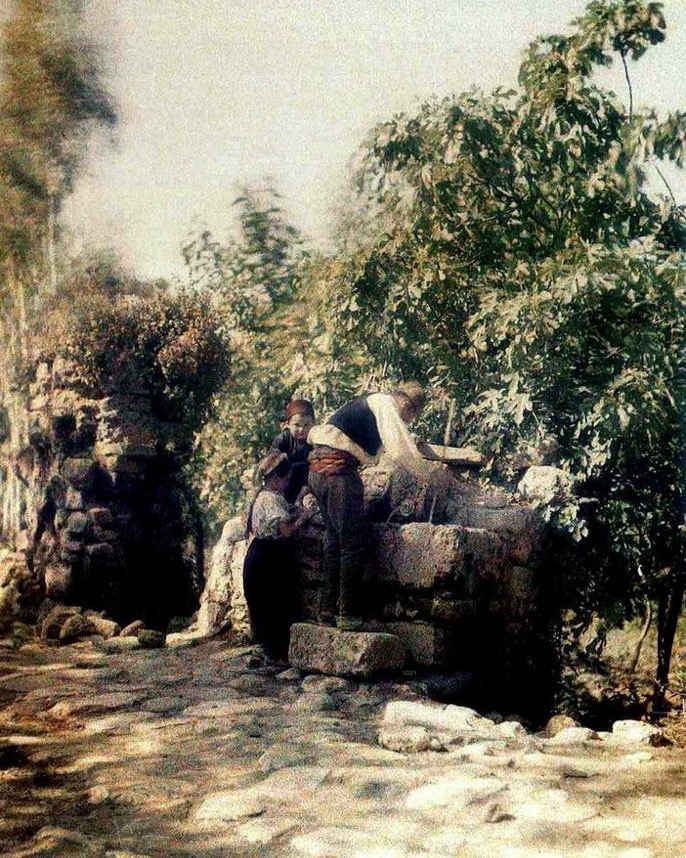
(523, 258)
(251, 279)
(51, 98)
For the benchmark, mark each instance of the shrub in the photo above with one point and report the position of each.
(168, 345)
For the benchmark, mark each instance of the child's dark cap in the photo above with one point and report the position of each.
(299, 406)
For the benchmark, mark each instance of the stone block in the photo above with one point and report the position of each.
(100, 516)
(557, 723)
(73, 499)
(574, 736)
(479, 543)
(132, 629)
(58, 580)
(418, 555)
(140, 451)
(104, 627)
(426, 644)
(112, 407)
(457, 612)
(99, 556)
(544, 484)
(129, 465)
(225, 807)
(405, 740)
(636, 733)
(327, 650)
(20, 589)
(52, 624)
(75, 627)
(121, 643)
(109, 449)
(80, 472)
(77, 523)
(105, 534)
(69, 559)
(518, 525)
(53, 840)
(456, 721)
(151, 639)
(512, 518)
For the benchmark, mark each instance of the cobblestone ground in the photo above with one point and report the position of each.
(192, 752)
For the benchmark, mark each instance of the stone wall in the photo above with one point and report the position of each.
(465, 596)
(106, 522)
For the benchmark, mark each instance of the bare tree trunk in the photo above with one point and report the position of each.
(52, 265)
(15, 352)
(641, 638)
(668, 613)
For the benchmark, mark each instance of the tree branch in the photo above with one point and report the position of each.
(628, 83)
(641, 638)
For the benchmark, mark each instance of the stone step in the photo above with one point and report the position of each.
(323, 649)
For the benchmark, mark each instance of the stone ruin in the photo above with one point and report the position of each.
(103, 517)
(466, 598)
(455, 578)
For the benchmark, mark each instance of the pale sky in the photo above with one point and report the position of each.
(215, 93)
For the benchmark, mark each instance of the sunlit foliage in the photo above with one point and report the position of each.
(526, 254)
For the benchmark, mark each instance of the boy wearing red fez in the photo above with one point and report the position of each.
(299, 419)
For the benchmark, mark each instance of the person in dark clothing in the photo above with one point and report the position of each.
(351, 437)
(269, 569)
(299, 419)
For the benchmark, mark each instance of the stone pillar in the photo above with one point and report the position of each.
(110, 525)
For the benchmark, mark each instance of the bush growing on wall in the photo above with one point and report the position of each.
(168, 345)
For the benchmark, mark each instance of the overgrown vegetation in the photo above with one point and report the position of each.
(517, 251)
(168, 345)
(523, 248)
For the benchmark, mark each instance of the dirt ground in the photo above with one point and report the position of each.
(200, 751)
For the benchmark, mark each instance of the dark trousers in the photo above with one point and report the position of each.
(346, 539)
(269, 588)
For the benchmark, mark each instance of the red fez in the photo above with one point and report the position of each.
(299, 406)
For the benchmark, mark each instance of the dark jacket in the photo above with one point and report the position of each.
(297, 452)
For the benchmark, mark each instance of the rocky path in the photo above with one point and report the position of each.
(195, 751)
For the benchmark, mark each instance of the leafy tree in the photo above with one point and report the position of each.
(51, 99)
(522, 258)
(268, 290)
(94, 278)
(250, 280)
